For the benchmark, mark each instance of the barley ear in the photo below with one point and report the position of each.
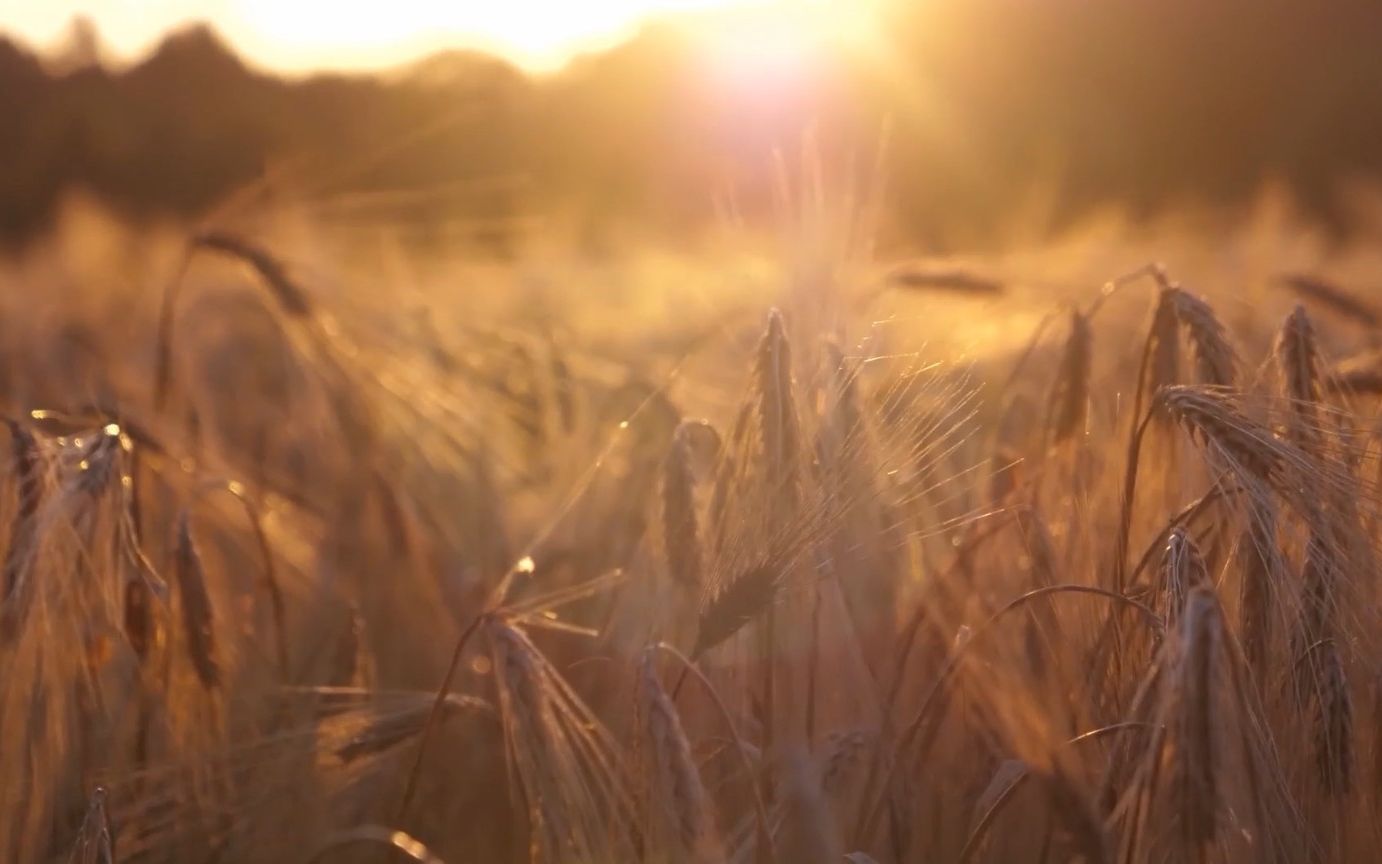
(680, 525)
(1070, 397)
(197, 612)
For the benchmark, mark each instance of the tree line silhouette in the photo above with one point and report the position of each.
(987, 103)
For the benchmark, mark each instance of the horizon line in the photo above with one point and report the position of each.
(395, 55)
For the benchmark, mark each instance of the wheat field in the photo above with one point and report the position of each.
(801, 555)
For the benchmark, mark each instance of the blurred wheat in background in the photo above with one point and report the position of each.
(697, 452)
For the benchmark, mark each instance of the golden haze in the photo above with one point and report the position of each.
(312, 35)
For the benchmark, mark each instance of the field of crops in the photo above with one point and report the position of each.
(778, 553)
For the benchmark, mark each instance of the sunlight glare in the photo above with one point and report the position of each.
(537, 34)
(771, 48)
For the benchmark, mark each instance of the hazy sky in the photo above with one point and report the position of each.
(295, 35)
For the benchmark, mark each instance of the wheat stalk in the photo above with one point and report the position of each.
(197, 614)
(28, 470)
(1215, 419)
(389, 729)
(1298, 360)
(1070, 397)
(1164, 340)
(1333, 724)
(675, 774)
(289, 296)
(777, 418)
(1321, 679)
(1182, 570)
(680, 525)
(1216, 362)
(1259, 563)
(1195, 758)
(747, 597)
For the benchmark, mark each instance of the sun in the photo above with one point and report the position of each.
(767, 46)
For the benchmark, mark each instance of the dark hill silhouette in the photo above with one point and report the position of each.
(1123, 102)
(181, 130)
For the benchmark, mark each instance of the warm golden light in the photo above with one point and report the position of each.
(301, 35)
(534, 33)
(767, 47)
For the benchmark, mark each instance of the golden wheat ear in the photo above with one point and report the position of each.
(1298, 362)
(28, 465)
(1163, 367)
(746, 598)
(1216, 361)
(198, 618)
(287, 293)
(675, 780)
(1193, 765)
(1070, 395)
(680, 523)
(1182, 570)
(778, 426)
